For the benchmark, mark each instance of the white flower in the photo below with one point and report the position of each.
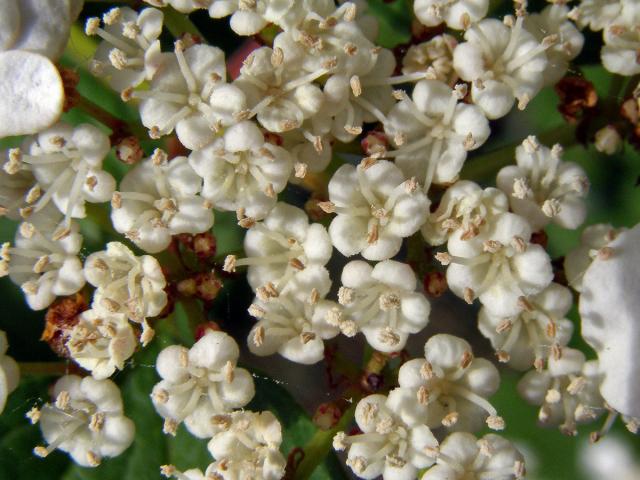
(593, 244)
(449, 387)
(531, 336)
(31, 93)
(101, 343)
(567, 392)
(43, 260)
(622, 43)
(293, 322)
(433, 131)
(463, 456)
(246, 446)
(611, 457)
(596, 14)
(9, 372)
(158, 199)
(281, 245)
(457, 14)
(38, 26)
(242, 171)
(279, 93)
(85, 420)
(434, 57)
(130, 50)
(352, 101)
(382, 303)
(504, 63)
(464, 206)
(553, 19)
(67, 163)
(376, 208)
(200, 382)
(542, 188)
(387, 446)
(189, 94)
(498, 266)
(608, 311)
(15, 188)
(125, 283)
(311, 153)
(335, 40)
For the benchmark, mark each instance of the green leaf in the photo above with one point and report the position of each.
(394, 19)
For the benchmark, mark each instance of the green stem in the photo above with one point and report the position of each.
(178, 24)
(317, 449)
(487, 165)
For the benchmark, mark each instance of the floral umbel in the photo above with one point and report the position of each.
(307, 239)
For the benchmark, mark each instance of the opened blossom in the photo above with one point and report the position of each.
(448, 388)
(540, 330)
(293, 322)
(158, 199)
(130, 49)
(382, 303)
(283, 244)
(543, 188)
(9, 371)
(433, 131)
(199, 383)
(497, 267)
(86, 420)
(242, 171)
(376, 208)
(457, 14)
(387, 446)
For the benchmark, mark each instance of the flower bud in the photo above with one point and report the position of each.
(60, 319)
(327, 416)
(608, 140)
(435, 284)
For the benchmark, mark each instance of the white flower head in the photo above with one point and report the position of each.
(67, 163)
(281, 245)
(596, 14)
(376, 208)
(101, 343)
(200, 382)
(278, 92)
(43, 260)
(189, 94)
(310, 152)
(38, 26)
(334, 41)
(433, 131)
(504, 63)
(499, 266)
(457, 14)
(130, 50)
(535, 333)
(85, 420)
(9, 372)
(567, 391)
(381, 302)
(242, 171)
(366, 98)
(387, 445)
(158, 199)
(462, 455)
(608, 311)
(449, 387)
(553, 19)
(622, 43)
(593, 244)
(543, 188)
(126, 283)
(464, 206)
(31, 93)
(434, 57)
(246, 445)
(294, 322)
